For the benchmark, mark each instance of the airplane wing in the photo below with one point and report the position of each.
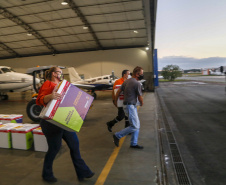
(83, 86)
(93, 86)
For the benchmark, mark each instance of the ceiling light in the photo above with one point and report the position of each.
(64, 3)
(147, 48)
(135, 31)
(29, 34)
(85, 27)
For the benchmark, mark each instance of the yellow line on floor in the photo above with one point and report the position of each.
(103, 176)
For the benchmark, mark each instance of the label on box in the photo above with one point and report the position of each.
(38, 131)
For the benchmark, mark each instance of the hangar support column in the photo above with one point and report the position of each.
(149, 76)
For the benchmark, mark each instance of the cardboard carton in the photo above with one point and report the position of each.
(121, 96)
(70, 111)
(11, 118)
(22, 137)
(40, 143)
(5, 134)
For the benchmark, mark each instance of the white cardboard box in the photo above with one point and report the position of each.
(70, 111)
(22, 137)
(40, 143)
(121, 96)
(5, 134)
(11, 118)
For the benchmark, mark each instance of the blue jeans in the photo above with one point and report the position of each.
(134, 128)
(54, 136)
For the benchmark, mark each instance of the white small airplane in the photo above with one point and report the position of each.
(11, 81)
(216, 73)
(97, 83)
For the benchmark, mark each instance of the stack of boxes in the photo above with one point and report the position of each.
(68, 113)
(14, 134)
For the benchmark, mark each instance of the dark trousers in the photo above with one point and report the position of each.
(54, 136)
(121, 115)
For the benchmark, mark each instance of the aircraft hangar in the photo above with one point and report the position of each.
(96, 37)
(103, 35)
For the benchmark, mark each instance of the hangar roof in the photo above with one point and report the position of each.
(39, 27)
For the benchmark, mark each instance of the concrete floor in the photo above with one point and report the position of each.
(19, 167)
(198, 123)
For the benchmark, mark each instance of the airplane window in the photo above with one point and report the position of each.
(0, 72)
(105, 77)
(99, 79)
(6, 70)
(12, 70)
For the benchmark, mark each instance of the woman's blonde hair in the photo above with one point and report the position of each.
(48, 73)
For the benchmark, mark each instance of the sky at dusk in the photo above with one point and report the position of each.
(191, 33)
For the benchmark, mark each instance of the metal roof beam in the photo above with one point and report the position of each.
(10, 50)
(89, 15)
(76, 34)
(111, 3)
(28, 28)
(80, 50)
(82, 6)
(27, 4)
(126, 38)
(76, 9)
(110, 22)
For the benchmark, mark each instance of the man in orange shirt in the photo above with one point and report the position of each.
(121, 114)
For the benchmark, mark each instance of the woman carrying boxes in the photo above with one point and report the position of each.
(55, 134)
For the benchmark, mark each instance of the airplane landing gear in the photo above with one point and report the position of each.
(4, 96)
(33, 110)
(94, 95)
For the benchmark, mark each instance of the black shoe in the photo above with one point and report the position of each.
(109, 126)
(137, 147)
(89, 176)
(116, 140)
(50, 179)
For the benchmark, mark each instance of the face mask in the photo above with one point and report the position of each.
(129, 76)
(60, 77)
(141, 77)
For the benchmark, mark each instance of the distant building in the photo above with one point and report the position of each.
(192, 71)
(205, 71)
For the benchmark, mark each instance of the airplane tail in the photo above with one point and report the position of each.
(73, 75)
